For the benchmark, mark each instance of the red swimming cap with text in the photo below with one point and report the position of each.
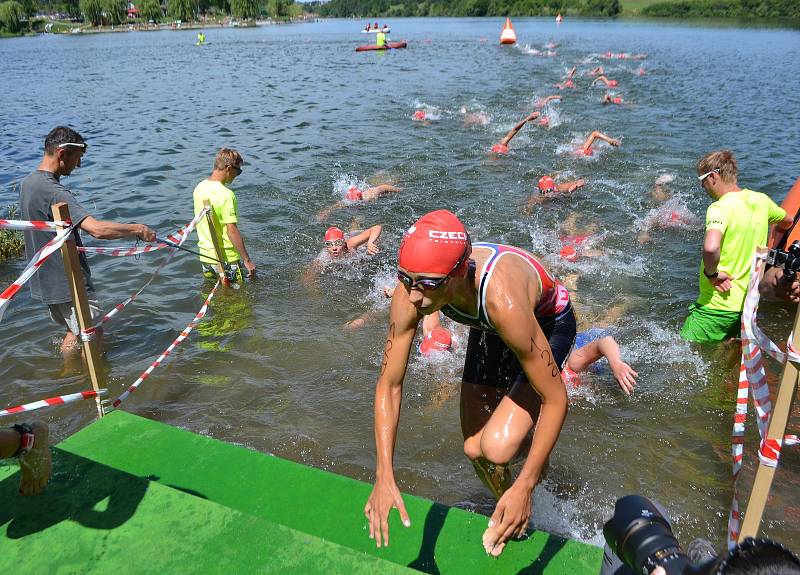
(568, 253)
(434, 244)
(546, 184)
(437, 340)
(353, 193)
(499, 149)
(333, 234)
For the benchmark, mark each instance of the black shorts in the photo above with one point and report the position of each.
(490, 362)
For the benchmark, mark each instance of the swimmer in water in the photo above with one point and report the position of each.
(609, 99)
(548, 189)
(522, 329)
(357, 194)
(501, 147)
(545, 101)
(338, 247)
(575, 240)
(597, 71)
(568, 83)
(586, 148)
(590, 346)
(474, 118)
(606, 81)
(420, 116)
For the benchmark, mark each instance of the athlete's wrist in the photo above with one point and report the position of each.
(712, 275)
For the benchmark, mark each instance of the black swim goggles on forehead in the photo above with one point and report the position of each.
(433, 283)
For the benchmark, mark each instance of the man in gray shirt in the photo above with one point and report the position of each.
(63, 149)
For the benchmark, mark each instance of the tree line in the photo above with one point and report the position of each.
(16, 15)
(726, 9)
(399, 8)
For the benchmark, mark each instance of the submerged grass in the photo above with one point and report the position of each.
(11, 243)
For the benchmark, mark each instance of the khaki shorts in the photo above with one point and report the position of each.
(65, 314)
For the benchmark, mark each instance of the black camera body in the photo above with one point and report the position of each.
(642, 538)
(788, 260)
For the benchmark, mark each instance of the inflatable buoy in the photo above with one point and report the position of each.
(782, 240)
(508, 36)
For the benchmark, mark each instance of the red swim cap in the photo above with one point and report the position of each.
(546, 184)
(544, 121)
(584, 152)
(675, 216)
(499, 149)
(612, 83)
(333, 234)
(434, 244)
(576, 239)
(568, 253)
(570, 378)
(419, 115)
(569, 84)
(437, 340)
(617, 100)
(353, 193)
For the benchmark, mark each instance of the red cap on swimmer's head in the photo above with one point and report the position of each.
(617, 100)
(333, 234)
(499, 149)
(544, 121)
(675, 216)
(353, 193)
(546, 184)
(437, 340)
(434, 244)
(419, 115)
(568, 253)
(584, 152)
(612, 83)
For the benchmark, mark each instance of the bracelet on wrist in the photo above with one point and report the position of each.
(711, 276)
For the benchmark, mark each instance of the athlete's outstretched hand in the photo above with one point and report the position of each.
(510, 519)
(625, 376)
(385, 496)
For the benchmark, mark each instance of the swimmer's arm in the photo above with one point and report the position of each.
(601, 136)
(368, 236)
(238, 242)
(607, 347)
(326, 212)
(403, 320)
(513, 131)
(571, 186)
(309, 277)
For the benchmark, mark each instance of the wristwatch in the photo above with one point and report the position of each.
(26, 438)
(712, 276)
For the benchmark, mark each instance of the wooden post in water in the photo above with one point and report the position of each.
(777, 429)
(72, 267)
(212, 230)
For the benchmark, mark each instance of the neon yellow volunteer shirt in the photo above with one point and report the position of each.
(224, 210)
(743, 217)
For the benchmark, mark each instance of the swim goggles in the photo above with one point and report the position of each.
(334, 243)
(704, 176)
(433, 283)
(72, 144)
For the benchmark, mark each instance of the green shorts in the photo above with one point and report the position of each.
(707, 325)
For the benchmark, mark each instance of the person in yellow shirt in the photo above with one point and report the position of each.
(225, 213)
(736, 223)
(380, 39)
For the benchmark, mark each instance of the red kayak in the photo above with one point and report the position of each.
(388, 46)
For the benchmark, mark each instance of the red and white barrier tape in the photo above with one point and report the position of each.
(37, 225)
(53, 401)
(33, 266)
(175, 238)
(753, 381)
(183, 335)
(180, 238)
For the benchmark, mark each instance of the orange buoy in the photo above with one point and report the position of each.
(508, 36)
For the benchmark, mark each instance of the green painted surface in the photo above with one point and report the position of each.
(98, 520)
(249, 488)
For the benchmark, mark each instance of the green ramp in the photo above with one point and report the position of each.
(165, 483)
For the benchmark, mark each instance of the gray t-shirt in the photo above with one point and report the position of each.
(37, 193)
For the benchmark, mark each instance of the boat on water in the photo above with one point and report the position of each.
(387, 46)
(376, 30)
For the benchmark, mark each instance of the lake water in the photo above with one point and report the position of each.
(273, 370)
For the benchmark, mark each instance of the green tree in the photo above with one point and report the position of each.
(244, 9)
(11, 16)
(115, 11)
(92, 11)
(149, 10)
(182, 10)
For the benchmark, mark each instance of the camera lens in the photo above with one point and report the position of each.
(640, 535)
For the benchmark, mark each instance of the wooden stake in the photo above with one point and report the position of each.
(69, 253)
(212, 230)
(777, 429)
